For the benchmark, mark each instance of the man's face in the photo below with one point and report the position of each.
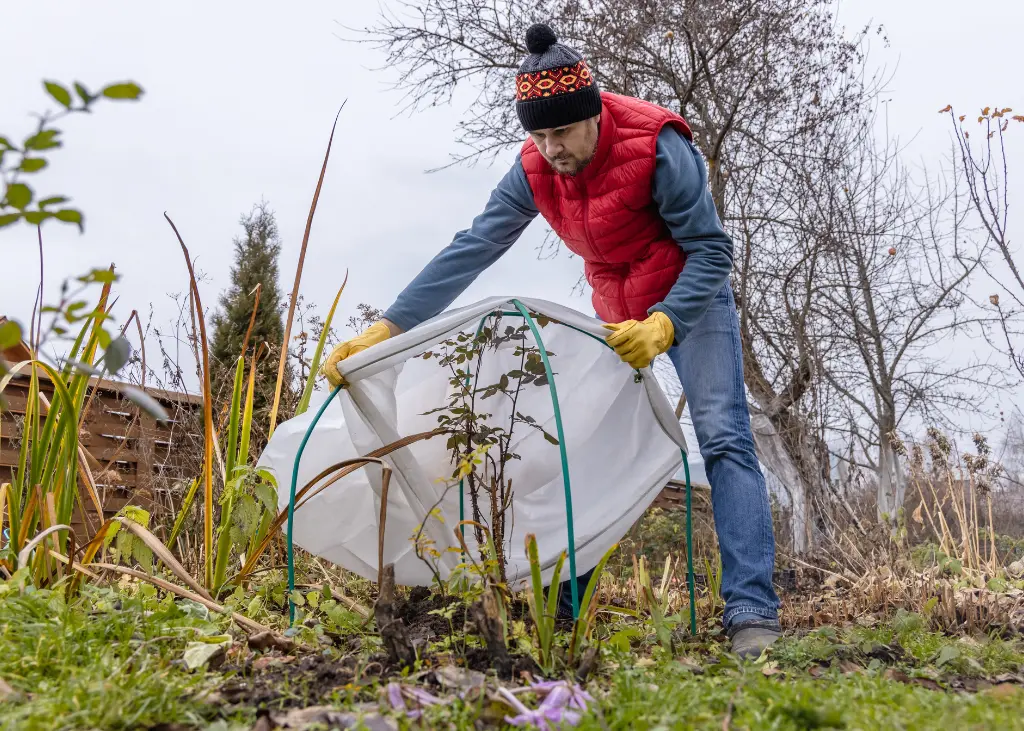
(568, 149)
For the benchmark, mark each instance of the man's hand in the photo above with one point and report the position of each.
(376, 333)
(639, 343)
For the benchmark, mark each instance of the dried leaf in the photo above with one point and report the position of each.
(849, 667)
(945, 109)
(198, 654)
(688, 663)
(270, 641)
(317, 717)
(1008, 678)
(460, 678)
(269, 661)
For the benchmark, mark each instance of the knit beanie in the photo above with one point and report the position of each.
(554, 86)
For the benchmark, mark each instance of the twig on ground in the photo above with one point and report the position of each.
(727, 721)
(839, 577)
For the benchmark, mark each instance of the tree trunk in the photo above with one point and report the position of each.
(773, 453)
(892, 480)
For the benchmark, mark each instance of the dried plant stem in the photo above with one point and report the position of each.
(975, 525)
(298, 278)
(208, 449)
(993, 557)
(927, 510)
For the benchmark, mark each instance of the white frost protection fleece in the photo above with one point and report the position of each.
(621, 437)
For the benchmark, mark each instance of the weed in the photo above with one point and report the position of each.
(586, 622)
(543, 609)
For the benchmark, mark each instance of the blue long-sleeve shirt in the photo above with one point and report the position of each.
(680, 190)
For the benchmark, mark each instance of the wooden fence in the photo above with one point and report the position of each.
(133, 459)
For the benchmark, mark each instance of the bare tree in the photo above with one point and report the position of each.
(984, 169)
(755, 79)
(893, 283)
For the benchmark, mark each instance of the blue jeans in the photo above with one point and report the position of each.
(709, 362)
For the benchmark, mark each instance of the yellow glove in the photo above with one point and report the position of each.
(376, 333)
(638, 343)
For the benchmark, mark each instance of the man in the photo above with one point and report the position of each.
(621, 184)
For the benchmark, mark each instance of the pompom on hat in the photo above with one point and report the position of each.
(554, 86)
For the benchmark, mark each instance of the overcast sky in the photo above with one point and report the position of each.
(238, 106)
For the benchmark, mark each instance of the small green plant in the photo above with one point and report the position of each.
(471, 433)
(127, 545)
(543, 609)
(248, 502)
(482, 577)
(583, 628)
(713, 574)
(657, 603)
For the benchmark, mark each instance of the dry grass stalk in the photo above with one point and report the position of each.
(207, 412)
(298, 278)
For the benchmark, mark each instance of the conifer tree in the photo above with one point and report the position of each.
(256, 254)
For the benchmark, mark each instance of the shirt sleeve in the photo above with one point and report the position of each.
(684, 201)
(508, 212)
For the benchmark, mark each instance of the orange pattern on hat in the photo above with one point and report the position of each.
(551, 82)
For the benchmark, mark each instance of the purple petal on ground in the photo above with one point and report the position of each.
(559, 715)
(530, 718)
(571, 717)
(395, 696)
(558, 698)
(543, 686)
(513, 701)
(423, 697)
(580, 698)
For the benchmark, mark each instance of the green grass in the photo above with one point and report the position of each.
(113, 661)
(700, 692)
(105, 661)
(903, 642)
(671, 697)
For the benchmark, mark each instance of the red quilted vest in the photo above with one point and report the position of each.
(607, 215)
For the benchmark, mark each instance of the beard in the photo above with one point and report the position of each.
(569, 165)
